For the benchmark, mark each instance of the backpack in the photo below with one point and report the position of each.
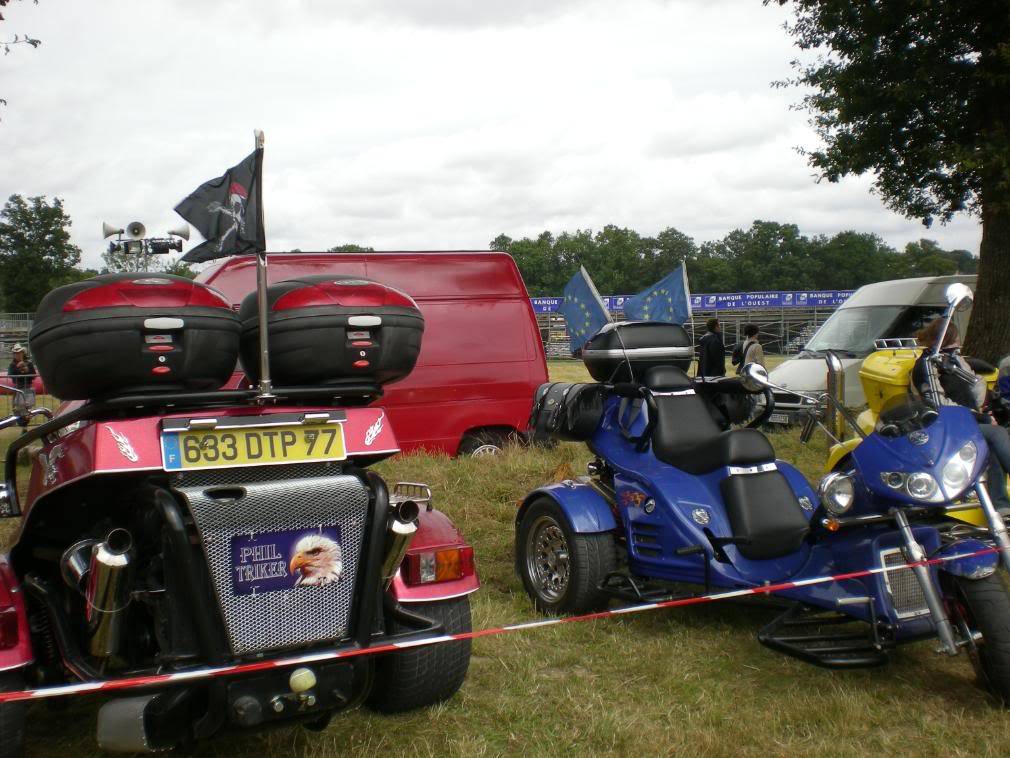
(739, 353)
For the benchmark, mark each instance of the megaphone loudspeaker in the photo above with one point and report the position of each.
(108, 229)
(136, 230)
(182, 231)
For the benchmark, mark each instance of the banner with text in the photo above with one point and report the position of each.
(726, 301)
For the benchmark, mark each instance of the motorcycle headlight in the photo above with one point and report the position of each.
(837, 493)
(957, 471)
(921, 486)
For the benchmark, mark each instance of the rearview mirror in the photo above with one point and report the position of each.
(958, 293)
(754, 377)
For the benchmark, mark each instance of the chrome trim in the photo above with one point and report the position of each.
(914, 553)
(894, 592)
(997, 526)
(761, 468)
(642, 352)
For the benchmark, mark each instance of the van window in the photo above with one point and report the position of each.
(853, 330)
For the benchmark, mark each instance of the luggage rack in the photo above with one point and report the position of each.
(358, 393)
(896, 343)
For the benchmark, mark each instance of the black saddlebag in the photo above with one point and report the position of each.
(764, 513)
(140, 332)
(565, 411)
(327, 329)
(643, 344)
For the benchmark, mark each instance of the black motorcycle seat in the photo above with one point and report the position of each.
(686, 436)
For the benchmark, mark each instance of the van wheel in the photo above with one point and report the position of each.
(482, 443)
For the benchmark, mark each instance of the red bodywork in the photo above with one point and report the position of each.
(98, 448)
(12, 602)
(481, 356)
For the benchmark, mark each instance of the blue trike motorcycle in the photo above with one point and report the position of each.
(675, 496)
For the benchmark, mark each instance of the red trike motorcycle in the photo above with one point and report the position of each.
(216, 559)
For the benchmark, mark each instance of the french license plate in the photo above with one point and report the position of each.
(251, 446)
(778, 418)
(285, 560)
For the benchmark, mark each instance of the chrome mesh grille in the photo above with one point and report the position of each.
(902, 586)
(274, 501)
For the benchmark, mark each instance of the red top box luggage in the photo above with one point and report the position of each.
(329, 329)
(140, 332)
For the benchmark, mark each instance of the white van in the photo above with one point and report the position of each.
(897, 308)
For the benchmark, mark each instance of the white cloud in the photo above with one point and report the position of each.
(424, 123)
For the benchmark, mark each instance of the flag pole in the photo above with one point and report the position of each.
(265, 384)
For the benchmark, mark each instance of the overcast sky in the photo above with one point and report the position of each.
(424, 124)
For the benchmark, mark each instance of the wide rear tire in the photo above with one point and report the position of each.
(983, 605)
(422, 676)
(561, 569)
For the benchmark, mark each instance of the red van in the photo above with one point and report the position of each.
(481, 356)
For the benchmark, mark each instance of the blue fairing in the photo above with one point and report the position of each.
(954, 427)
(655, 533)
(971, 567)
(585, 508)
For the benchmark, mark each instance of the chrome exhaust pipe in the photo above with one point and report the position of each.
(107, 594)
(401, 530)
(76, 562)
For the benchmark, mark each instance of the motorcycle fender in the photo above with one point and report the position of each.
(839, 451)
(12, 601)
(974, 567)
(435, 531)
(585, 508)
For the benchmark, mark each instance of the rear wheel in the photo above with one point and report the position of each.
(982, 609)
(12, 719)
(425, 675)
(560, 569)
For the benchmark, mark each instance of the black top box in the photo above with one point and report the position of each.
(642, 344)
(139, 332)
(331, 328)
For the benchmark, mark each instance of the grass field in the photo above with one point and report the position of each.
(684, 681)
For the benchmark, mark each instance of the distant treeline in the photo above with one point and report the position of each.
(768, 256)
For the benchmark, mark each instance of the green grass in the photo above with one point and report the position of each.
(684, 681)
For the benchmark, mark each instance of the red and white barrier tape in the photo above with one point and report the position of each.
(154, 680)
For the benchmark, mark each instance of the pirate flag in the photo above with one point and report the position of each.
(228, 212)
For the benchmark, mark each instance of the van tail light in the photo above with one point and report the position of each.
(441, 565)
(8, 628)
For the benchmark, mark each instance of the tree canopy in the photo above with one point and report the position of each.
(767, 256)
(35, 251)
(916, 93)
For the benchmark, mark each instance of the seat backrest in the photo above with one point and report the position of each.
(683, 418)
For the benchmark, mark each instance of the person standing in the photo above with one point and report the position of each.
(21, 371)
(752, 351)
(712, 350)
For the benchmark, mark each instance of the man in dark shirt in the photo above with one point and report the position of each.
(712, 351)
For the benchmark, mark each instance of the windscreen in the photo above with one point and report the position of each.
(851, 331)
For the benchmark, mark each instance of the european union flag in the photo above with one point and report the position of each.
(583, 309)
(667, 300)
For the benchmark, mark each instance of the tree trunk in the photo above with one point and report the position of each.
(989, 331)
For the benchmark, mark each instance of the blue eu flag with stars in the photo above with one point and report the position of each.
(583, 309)
(667, 300)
